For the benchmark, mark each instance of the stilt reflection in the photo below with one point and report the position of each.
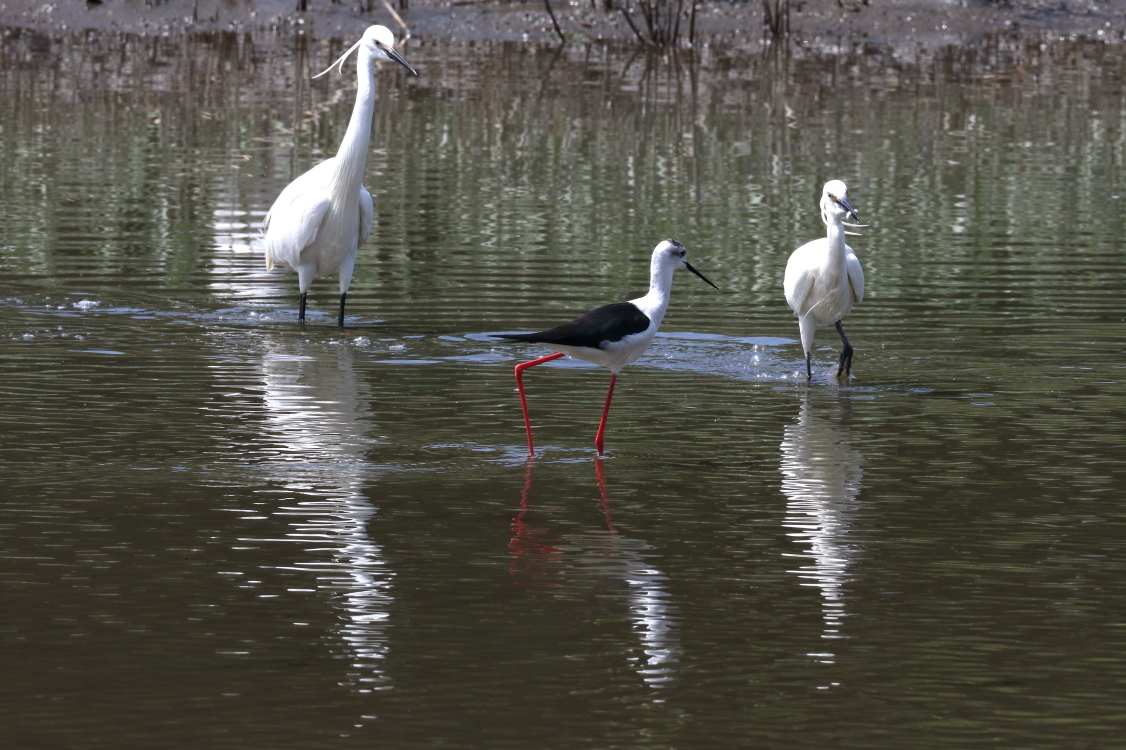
(535, 554)
(609, 557)
(821, 477)
(315, 412)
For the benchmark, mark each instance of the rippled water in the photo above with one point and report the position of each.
(220, 529)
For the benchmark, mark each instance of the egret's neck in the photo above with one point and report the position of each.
(836, 235)
(352, 156)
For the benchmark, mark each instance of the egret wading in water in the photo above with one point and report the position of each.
(824, 279)
(320, 220)
(612, 335)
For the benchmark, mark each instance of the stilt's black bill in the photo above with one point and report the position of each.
(848, 207)
(693, 270)
(394, 55)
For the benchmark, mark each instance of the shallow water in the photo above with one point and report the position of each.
(221, 529)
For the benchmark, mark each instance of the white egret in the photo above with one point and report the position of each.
(320, 220)
(824, 279)
(612, 335)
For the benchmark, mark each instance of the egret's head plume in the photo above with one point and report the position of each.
(379, 43)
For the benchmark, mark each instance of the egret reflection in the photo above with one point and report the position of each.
(821, 477)
(621, 566)
(317, 415)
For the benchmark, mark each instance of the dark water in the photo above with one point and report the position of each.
(221, 530)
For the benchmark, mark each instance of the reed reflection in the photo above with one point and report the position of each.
(317, 414)
(618, 564)
(821, 477)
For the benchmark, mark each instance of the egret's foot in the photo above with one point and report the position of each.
(845, 366)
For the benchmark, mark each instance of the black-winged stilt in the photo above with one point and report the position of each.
(612, 335)
(824, 279)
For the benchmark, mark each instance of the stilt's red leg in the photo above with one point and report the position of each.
(523, 401)
(605, 412)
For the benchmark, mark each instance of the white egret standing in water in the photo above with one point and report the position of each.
(824, 279)
(320, 220)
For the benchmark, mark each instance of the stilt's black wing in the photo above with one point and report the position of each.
(608, 323)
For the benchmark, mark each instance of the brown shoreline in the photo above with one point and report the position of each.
(885, 23)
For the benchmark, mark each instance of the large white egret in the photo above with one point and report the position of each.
(824, 279)
(320, 220)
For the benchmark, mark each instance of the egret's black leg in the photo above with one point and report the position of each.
(301, 314)
(342, 296)
(808, 366)
(845, 367)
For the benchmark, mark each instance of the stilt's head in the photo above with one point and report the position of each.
(379, 44)
(671, 254)
(834, 203)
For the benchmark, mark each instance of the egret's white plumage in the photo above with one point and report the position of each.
(320, 220)
(824, 279)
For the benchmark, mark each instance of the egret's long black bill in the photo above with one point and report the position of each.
(394, 55)
(848, 207)
(693, 270)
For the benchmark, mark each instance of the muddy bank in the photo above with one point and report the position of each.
(894, 23)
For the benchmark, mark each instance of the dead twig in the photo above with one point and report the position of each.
(776, 17)
(554, 22)
(625, 12)
(397, 17)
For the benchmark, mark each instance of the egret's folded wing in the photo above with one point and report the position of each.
(855, 275)
(367, 213)
(798, 280)
(292, 224)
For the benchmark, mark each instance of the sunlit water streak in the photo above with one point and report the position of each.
(237, 266)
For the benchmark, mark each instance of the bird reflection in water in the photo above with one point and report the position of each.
(317, 417)
(821, 477)
(535, 554)
(541, 559)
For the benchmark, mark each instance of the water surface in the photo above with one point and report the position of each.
(221, 529)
